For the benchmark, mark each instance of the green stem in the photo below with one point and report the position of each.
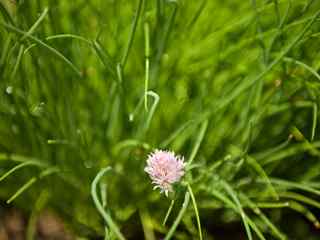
(196, 147)
(147, 63)
(168, 212)
(179, 217)
(99, 206)
(132, 33)
(195, 210)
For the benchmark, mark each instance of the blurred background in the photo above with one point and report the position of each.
(232, 85)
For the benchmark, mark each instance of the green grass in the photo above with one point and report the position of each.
(94, 86)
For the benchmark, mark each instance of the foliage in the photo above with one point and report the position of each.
(231, 85)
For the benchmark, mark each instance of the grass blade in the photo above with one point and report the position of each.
(103, 213)
(43, 44)
(194, 203)
(176, 222)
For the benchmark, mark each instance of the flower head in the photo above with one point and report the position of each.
(164, 169)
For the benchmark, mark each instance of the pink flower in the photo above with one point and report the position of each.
(164, 169)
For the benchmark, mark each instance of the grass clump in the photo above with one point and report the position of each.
(94, 86)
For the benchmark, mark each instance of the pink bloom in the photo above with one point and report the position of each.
(164, 169)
